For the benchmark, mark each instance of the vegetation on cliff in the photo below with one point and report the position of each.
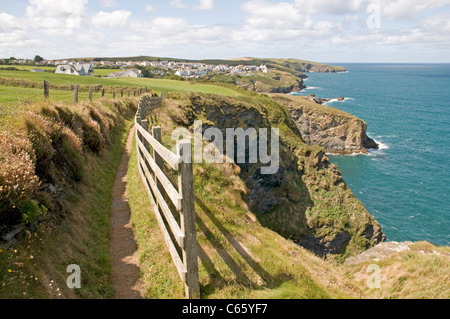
(307, 199)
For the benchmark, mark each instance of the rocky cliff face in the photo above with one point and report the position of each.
(336, 131)
(275, 87)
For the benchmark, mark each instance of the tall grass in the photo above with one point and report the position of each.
(74, 226)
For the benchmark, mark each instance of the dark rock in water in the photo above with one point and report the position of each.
(341, 98)
(317, 100)
(370, 143)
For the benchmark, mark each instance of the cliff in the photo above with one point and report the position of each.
(306, 66)
(265, 85)
(306, 200)
(334, 130)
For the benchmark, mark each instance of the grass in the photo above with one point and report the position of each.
(158, 85)
(28, 68)
(241, 257)
(36, 266)
(12, 95)
(423, 272)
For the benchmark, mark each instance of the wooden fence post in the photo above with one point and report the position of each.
(156, 133)
(46, 89)
(121, 93)
(103, 93)
(90, 94)
(144, 124)
(188, 220)
(75, 94)
(114, 93)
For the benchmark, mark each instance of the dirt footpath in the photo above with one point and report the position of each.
(125, 261)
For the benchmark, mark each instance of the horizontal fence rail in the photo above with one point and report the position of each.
(151, 158)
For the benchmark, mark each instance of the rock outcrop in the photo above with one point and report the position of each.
(306, 200)
(379, 252)
(322, 68)
(274, 87)
(336, 131)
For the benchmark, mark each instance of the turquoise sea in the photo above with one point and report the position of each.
(405, 184)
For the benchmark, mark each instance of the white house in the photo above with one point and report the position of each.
(84, 69)
(264, 69)
(183, 73)
(132, 73)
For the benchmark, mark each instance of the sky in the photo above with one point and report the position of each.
(379, 31)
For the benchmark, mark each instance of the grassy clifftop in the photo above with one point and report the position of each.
(249, 229)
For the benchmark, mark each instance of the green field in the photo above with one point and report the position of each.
(157, 85)
(29, 67)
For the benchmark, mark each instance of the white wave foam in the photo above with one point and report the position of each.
(313, 88)
(336, 100)
(347, 155)
(382, 146)
(331, 101)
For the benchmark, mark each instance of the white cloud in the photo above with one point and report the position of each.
(167, 26)
(149, 8)
(10, 23)
(205, 5)
(56, 17)
(202, 5)
(281, 21)
(408, 9)
(111, 19)
(437, 24)
(334, 7)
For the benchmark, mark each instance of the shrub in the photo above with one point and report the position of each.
(92, 136)
(69, 151)
(30, 211)
(18, 181)
(40, 134)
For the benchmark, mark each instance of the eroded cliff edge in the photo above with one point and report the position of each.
(306, 200)
(334, 130)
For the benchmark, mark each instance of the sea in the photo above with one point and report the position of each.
(405, 184)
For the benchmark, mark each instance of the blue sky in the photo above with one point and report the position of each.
(319, 30)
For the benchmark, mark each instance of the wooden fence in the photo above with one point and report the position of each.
(151, 157)
(94, 88)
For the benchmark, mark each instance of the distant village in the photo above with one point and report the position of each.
(157, 68)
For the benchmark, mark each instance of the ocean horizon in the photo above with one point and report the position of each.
(405, 184)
